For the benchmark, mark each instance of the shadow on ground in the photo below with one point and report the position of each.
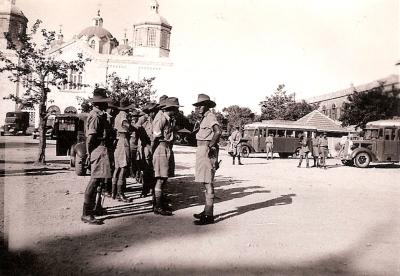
(86, 254)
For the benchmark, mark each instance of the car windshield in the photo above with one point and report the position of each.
(371, 134)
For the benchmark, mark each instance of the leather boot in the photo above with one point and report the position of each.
(87, 215)
(114, 188)
(240, 163)
(158, 209)
(120, 194)
(199, 215)
(204, 220)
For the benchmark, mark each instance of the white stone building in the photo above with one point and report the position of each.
(145, 55)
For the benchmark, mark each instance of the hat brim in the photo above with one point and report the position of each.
(105, 100)
(209, 103)
(171, 106)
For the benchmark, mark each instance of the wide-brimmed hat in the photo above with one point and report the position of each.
(113, 104)
(124, 104)
(149, 107)
(161, 101)
(204, 100)
(99, 96)
(135, 112)
(171, 102)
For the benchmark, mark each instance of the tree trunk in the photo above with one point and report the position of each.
(41, 157)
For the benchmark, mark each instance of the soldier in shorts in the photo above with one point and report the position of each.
(98, 153)
(207, 156)
(163, 136)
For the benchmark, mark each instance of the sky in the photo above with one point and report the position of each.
(239, 51)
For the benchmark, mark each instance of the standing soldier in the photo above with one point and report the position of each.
(207, 156)
(269, 145)
(235, 138)
(111, 135)
(133, 142)
(323, 149)
(98, 153)
(315, 149)
(163, 136)
(122, 151)
(145, 131)
(304, 149)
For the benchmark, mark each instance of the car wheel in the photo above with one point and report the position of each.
(245, 151)
(362, 160)
(348, 162)
(80, 165)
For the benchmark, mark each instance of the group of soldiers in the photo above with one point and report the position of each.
(122, 141)
(317, 145)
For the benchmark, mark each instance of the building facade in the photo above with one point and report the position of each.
(145, 55)
(332, 104)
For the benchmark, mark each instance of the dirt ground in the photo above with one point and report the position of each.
(272, 219)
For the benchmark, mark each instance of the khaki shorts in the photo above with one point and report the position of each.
(100, 163)
(161, 159)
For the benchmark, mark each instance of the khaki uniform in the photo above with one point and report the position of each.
(269, 146)
(122, 151)
(315, 147)
(205, 162)
(235, 138)
(99, 157)
(323, 150)
(162, 129)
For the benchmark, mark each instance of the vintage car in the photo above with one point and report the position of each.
(379, 143)
(16, 123)
(69, 130)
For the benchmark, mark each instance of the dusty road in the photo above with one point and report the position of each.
(273, 219)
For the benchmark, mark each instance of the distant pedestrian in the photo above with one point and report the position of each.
(323, 149)
(207, 156)
(304, 149)
(269, 145)
(97, 151)
(315, 149)
(236, 149)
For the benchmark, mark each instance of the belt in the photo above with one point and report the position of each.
(323, 146)
(203, 143)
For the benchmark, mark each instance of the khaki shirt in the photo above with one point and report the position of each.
(323, 142)
(145, 129)
(96, 125)
(315, 142)
(206, 132)
(119, 120)
(269, 140)
(162, 127)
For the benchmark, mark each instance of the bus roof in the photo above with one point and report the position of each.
(383, 123)
(279, 125)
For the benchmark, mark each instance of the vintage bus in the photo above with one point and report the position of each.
(285, 136)
(380, 142)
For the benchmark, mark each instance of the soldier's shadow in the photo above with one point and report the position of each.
(183, 192)
(282, 200)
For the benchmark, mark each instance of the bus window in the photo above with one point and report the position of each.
(280, 133)
(289, 133)
(389, 134)
(298, 133)
(256, 132)
(248, 132)
(272, 131)
(380, 135)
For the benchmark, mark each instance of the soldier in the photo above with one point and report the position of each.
(269, 145)
(207, 156)
(98, 154)
(145, 131)
(235, 138)
(315, 149)
(133, 142)
(163, 135)
(304, 149)
(323, 149)
(112, 111)
(122, 151)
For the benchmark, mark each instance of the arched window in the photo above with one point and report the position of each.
(93, 44)
(324, 110)
(334, 112)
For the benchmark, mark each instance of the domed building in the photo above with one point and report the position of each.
(145, 56)
(151, 34)
(97, 37)
(12, 20)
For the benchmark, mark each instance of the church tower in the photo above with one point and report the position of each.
(12, 21)
(151, 34)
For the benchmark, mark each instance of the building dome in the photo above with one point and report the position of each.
(98, 31)
(16, 11)
(152, 17)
